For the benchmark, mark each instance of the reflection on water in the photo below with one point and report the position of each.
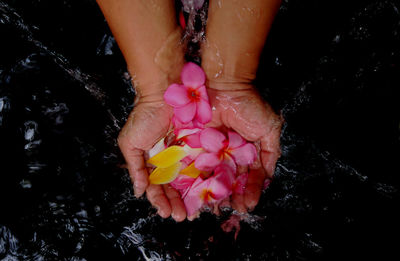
(64, 94)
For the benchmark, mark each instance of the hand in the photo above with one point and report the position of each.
(148, 123)
(240, 107)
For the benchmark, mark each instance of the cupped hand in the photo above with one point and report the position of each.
(240, 107)
(147, 124)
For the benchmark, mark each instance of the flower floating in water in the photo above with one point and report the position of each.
(190, 100)
(200, 163)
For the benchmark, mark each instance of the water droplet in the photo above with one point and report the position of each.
(30, 129)
(26, 184)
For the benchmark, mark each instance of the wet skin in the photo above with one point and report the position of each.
(231, 52)
(242, 110)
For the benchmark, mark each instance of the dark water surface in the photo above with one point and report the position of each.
(331, 67)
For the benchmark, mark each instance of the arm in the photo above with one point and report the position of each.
(236, 34)
(149, 38)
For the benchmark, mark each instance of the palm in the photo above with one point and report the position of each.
(245, 112)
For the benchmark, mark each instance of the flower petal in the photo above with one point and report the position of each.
(182, 183)
(193, 200)
(186, 161)
(165, 175)
(212, 140)
(203, 92)
(193, 140)
(157, 148)
(190, 136)
(197, 124)
(220, 187)
(185, 113)
(229, 161)
(207, 161)
(191, 171)
(235, 140)
(180, 125)
(185, 132)
(176, 95)
(168, 157)
(227, 172)
(203, 113)
(245, 155)
(192, 75)
(192, 152)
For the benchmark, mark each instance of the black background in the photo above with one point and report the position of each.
(330, 67)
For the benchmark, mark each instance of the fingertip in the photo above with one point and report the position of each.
(164, 212)
(238, 203)
(178, 217)
(252, 195)
(138, 192)
(178, 210)
(156, 196)
(140, 188)
(269, 160)
(250, 203)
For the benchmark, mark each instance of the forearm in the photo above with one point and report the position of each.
(149, 38)
(236, 33)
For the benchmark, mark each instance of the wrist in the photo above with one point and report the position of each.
(150, 85)
(153, 73)
(228, 73)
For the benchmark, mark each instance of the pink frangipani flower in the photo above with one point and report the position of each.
(190, 100)
(203, 192)
(191, 124)
(234, 151)
(236, 183)
(190, 137)
(182, 184)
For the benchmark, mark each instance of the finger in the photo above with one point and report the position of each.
(254, 187)
(137, 169)
(269, 160)
(216, 209)
(178, 211)
(237, 200)
(156, 196)
(270, 150)
(238, 203)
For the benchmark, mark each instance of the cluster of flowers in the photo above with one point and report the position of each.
(201, 163)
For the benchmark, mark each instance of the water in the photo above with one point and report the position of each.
(64, 94)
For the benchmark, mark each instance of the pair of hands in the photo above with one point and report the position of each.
(239, 108)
